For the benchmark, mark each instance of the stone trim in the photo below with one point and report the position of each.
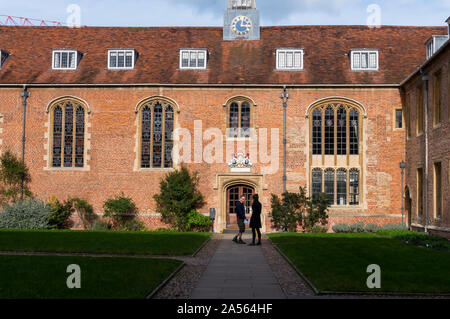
(1, 131)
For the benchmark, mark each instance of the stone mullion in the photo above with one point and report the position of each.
(163, 135)
(63, 130)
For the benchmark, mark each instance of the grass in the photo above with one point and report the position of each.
(338, 262)
(112, 242)
(44, 277)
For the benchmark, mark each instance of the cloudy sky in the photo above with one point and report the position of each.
(210, 12)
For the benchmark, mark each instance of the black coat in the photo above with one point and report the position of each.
(255, 220)
(240, 210)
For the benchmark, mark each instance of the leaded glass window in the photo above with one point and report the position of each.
(239, 119)
(354, 132)
(354, 187)
(329, 131)
(316, 182)
(317, 132)
(329, 184)
(157, 127)
(68, 135)
(341, 131)
(341, 185)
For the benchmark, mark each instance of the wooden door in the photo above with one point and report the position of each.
(234, 193)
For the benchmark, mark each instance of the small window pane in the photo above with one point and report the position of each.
(317, 132)
(129, 59)
(168, 137)
(342, 131)
(297, 60)
(201, 59)
(281, 60)
(57, 136)
(341, 187)
(57, 60)
(120, 59)
(245, 120)
(356, 60)
(157, 135)
(364, 60)
(398, 118)
(329, 185)
(373, 61)
(289, 60)
(79, 138)
(354, 132)
(113, 59)
(329, 131)
(72, 62)
(64, 59)
(354, 187)
(68, 135)
(185, 59)
(234, 120)
(146, 137)
(193, 60)
(316, 182)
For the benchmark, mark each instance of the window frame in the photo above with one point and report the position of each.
(420, 185)
(293, 51)
(437, 98)
(125, 51)
(60, 51)
(420, 109)
(438, 199)
(396, 108)
(239, 100)
(369, 52)
(62, 104)
(151, 103)
(197, 51)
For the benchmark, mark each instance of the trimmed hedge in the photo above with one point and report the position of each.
(27, 214)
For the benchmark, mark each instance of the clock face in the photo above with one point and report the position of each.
(241, 25)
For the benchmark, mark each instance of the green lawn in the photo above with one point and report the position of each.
(338, 262)
(41, 277)
(141, 243)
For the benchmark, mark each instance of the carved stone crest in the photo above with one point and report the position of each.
(240, 163)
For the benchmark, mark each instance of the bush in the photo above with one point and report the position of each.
(319, 229)
(198, 222)
(341, 228)
(372, 228)
(85, 212)
(133, 225)
(394, 227)
(60, 213)
(417, 239)
(101, 225)
(178, 197)
(11, 173)
(120, 209)
(296, 209)
(357, 227)
(27, 214)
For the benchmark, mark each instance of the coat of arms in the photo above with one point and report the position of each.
(240, 162)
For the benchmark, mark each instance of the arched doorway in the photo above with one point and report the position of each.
(233, 194)
(408, 207)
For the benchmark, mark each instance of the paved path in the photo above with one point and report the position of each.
(238, 272)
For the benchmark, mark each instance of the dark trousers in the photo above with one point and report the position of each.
(254, 230)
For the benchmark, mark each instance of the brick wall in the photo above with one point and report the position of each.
(112, 133)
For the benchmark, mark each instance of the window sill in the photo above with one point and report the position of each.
(167, 169)
(345, 207)
(67, 169)
(239, 139)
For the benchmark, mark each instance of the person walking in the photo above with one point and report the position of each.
(255, 220)
(241, 218)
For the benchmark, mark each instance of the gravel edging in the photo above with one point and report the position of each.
(181, 285)
(164, 283)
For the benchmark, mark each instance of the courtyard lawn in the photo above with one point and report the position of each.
(338, 262)
(112, 242)
(42, 277)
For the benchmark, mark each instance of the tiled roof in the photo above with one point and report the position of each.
(326, 60)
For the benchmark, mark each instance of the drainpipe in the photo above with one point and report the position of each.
(284, 96)
(426, 79)
(24, 95)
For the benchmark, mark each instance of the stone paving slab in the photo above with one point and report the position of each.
(238, 272)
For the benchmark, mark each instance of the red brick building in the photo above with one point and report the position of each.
(107, 107)
(427, 101)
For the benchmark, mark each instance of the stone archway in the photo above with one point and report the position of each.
(223, 183)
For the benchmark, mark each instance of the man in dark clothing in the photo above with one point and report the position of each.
(240, 214)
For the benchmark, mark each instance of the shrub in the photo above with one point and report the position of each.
(132, 225)
(357, 227)
(372, 228)
(12, 171)
(120, 209)
(101, 225)
(178, 197)
(319, 229)
(60, 213)
(394, 227)
(198, 222)
(341, 228)
(85, 212)
(27, 214)
(296, 209)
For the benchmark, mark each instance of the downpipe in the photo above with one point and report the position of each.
(24, 95)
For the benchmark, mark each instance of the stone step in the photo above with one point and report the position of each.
(235, 231)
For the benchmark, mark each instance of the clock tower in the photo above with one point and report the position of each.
(241, 21)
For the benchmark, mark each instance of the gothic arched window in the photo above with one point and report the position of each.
(68, 134)
(239, 119)
(157, 126)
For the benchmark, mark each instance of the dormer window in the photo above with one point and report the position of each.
(65, 60)
(364, 60)
(193, 59)
(435, 43)
(3, 56)
(122, 59)
(290, 59)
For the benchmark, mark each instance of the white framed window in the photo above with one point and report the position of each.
(364, 60)
(65, 60)
(193, 59)
(289, 59)
(122, 59)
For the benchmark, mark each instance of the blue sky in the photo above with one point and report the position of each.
(210, 12)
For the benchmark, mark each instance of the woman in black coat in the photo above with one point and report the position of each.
(255, 220)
